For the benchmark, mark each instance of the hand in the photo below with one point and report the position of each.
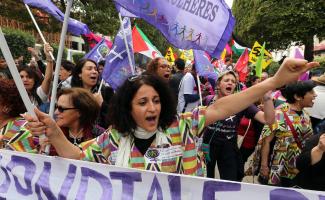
(99, 98)
(47, 50)
(290, 71)
(33, 53)
(321, 143)
(41, 124)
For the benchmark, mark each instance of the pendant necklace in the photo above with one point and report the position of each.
(75, 138)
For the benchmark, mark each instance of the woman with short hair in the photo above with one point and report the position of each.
(290, 132)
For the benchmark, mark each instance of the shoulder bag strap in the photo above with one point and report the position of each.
(293, 130)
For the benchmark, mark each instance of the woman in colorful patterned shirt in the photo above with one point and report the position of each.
(291, 129)
(146, 132)
(11, 105)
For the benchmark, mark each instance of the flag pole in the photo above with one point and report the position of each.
(126, 44)
(19, 83)
(15, 74)
(38, 29)
(59, 57)
(100, 86)
(199, 88)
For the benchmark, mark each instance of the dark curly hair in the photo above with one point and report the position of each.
(153, 66)
(75, 80)
(10, 97)
(299, 88)
(86, 104)
(120, 105)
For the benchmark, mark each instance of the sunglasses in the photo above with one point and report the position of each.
(61, 109)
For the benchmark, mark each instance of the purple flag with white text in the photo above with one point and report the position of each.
(187, 24)
(203, 65)
(117, 67)
(74, 26)
(99, 52)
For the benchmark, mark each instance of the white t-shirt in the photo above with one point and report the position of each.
(41, 94)
(318, 109)
(187, 86)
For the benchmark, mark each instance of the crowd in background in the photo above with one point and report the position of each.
(275, 125)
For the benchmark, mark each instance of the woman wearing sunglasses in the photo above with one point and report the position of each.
(85, 75)
(76, 112)
(147, 134)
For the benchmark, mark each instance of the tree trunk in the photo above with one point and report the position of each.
(309, 48)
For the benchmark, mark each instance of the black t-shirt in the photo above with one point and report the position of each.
(227, 128)
(310, 176)
(143, 144)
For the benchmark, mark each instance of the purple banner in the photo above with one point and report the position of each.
(74, 26)
(198, 24)
(203, 65)
(117, 67)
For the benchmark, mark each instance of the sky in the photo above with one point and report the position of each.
(229, 2)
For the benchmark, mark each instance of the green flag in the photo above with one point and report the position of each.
(258, 65)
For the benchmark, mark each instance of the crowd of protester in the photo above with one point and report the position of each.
(277, 121)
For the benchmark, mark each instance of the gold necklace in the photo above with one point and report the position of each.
(75, 138)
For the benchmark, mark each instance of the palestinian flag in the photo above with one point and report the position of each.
(141, 44)
(237, 49)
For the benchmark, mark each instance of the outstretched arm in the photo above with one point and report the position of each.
(289, 71)
(49, 70)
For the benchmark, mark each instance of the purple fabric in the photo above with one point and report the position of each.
(74, 26)
(117, 67)
(202, 25)
(304, 76)
(124, 12)
(99, 52)
(203, 65)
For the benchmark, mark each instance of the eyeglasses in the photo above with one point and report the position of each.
(165, 66)
(61, 109)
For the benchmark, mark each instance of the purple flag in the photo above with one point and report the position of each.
(124, 12)
(203, 65)
(74, 26)
(117, 67)
(99, 52)
(187, 24)
(304, 76)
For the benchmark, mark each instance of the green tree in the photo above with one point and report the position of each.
(18, 42)
(279, 23)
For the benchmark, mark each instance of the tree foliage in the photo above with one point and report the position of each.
(280, 22)
(18, 42)
(100, 16)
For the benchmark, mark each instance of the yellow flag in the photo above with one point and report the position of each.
(187, 55)
(170, 55)
(223, 54)
(256, 52)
